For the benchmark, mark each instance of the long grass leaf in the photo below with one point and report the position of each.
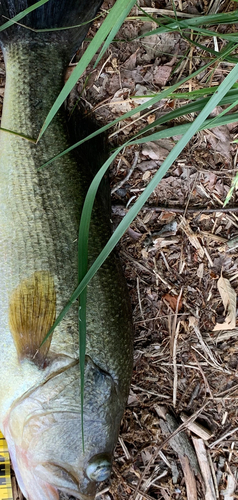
(26, 137)
(211, 19)
(82, 351)
(154, 100)
(234, 185)
(101, 34)
(205, 91)
(129, 217)
(114, 31)
(22, 14)
(182, 129)
(46, 30)
(178, 26)
(193, 107)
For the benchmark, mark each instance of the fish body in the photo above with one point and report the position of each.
(40, 412)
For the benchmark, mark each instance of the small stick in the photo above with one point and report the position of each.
(120, 184)
(181, 210)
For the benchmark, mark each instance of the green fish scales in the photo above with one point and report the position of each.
(40, 412)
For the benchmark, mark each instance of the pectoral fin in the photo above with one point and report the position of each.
(32, 310)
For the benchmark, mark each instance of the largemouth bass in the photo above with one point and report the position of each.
(40, 411)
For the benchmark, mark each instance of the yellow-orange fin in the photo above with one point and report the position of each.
(32, 310)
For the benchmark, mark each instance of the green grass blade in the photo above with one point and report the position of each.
(26, 137)
(206, 91)
(182, 129)
(129, 217)
(154, 100)
(231, 59)
(234, 186)
(169, 25)
(22, 14)
(102, 33)
(193, 107)
(115, 29)
(46, 30)
(178, 26)
(210, 19)
(82, 351)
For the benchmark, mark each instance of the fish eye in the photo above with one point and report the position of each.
(99, 468)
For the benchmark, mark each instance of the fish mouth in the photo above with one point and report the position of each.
(65, 482)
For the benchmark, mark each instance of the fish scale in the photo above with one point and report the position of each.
(39, 220)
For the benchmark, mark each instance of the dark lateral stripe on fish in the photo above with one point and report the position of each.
(32, 311)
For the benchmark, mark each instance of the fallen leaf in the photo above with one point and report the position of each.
(228, 296)
(154, 151)
(184, 225)
(172, 301)
(130, 63)
(120, 103)
(161, 75)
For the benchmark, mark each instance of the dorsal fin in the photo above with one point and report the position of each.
(32, 311)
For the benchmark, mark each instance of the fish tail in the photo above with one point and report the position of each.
(51, 15)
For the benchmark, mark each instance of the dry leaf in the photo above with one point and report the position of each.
(191, 236)
(130, 63)
(172, 300)
(154, 151)
(120, 103)
(228, 296)
(161, 74)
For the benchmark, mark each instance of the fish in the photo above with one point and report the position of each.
(40, 408)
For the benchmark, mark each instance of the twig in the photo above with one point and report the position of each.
(167, 12)
(213, 473)
(174, 339)
(229, 433)
(193, 239)
(139, 299)
(180, 443)
(190, 194)
(175, 365)
(120, 184)
(181, 210)
(203, 376)
(203, 344)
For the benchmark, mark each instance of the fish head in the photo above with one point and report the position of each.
(43, 430)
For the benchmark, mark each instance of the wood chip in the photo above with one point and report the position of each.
(196, 428)
(205, 468)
